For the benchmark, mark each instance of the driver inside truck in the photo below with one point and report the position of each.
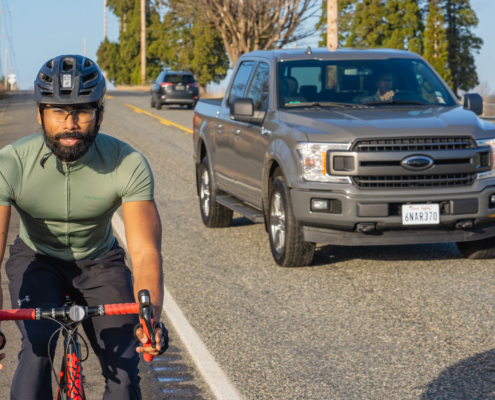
(384, 83)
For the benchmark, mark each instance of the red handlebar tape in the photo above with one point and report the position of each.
(118, 309)
(17, 315)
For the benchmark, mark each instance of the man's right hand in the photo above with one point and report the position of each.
(388, 96)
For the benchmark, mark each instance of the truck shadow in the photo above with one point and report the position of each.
(472, 378)
(325, 255)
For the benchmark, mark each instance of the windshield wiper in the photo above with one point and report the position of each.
(400, 102)
(321, 104)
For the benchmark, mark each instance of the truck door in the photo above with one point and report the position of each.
(226, 160)
(250, 142)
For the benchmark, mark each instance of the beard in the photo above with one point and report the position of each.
(71, 153)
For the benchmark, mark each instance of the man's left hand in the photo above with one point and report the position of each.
(161, 338)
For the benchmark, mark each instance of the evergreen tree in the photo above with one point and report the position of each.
(122, 60)
(462, 42)
(195, 46)
(435, 41)
(176, 43)
(393, 24)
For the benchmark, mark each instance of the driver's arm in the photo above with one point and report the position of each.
(4, 231)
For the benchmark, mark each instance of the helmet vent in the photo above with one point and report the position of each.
(90, 77)
(68, 64)
(66, 92)
(49, 64)
(45, 78)
(88, 63)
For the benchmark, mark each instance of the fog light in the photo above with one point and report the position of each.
(492, 199)
(365, 227)
(320, 205)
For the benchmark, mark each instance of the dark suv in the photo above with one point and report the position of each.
(173, 87)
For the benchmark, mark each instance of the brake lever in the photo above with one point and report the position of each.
(146, 314)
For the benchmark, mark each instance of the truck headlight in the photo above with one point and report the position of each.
(486, 143)
(314, 161)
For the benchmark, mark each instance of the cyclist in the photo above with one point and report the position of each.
(66, 183)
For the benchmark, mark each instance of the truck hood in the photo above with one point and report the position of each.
(347, 124)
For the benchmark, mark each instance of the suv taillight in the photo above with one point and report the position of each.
(166, 84)
(194, 84)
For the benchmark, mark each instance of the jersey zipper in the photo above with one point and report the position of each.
(67, 190)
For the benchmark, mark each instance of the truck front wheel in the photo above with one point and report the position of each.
(288, 249)
(478, 249)
(214, 215)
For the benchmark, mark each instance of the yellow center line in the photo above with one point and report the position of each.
(108, 96)
(162, 120)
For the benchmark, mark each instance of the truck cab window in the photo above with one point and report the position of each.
(240, 81)
(259, 87)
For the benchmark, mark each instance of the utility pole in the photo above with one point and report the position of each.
(84, 47)
(105, 19)
(6, 65)
(143, 42)
(332, 25)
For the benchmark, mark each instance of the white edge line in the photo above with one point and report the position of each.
(207, 366)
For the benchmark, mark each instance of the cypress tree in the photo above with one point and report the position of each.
(462, 43)
(435, 41)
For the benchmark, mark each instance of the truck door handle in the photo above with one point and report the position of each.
(236, 131)
(219, 126)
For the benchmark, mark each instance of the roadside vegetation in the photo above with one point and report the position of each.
(206, 37)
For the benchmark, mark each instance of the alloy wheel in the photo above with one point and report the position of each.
(205, 193)
(277, 223)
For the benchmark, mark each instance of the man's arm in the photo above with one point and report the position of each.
(4, 231)
(143, 231)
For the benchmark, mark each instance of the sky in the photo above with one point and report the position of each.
(35, 31)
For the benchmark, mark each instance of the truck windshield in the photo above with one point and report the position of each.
(348, 83)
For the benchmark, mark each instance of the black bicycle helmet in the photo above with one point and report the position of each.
(68, 80)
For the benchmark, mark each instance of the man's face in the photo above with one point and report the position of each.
(69, 137)
(385, 84)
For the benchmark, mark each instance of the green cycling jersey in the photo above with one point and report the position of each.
(66, 208)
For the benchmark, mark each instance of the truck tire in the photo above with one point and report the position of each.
(288, 249)
(478, 249)
(213, 214)
(152, 102)
(158, 105)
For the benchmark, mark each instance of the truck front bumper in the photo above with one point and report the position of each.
(384, 214)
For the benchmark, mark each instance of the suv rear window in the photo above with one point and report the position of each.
(179, 78)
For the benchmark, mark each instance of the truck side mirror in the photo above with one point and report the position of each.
(473, 102)
(242, 109)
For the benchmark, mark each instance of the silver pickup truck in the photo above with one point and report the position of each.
(352, 147)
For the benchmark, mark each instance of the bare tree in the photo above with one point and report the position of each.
(248, 25)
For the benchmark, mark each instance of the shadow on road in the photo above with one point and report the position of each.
(335, 254)
(473, 378)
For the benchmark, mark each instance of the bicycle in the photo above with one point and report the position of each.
(70, 317)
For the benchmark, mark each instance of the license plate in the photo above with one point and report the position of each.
(179, 88)
(420, 214)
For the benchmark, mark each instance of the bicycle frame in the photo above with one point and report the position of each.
(71, 380)
(70, 316)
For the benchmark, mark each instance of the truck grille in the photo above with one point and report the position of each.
(413, 181)
(414, 144)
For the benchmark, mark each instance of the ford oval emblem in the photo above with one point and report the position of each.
(417, 163)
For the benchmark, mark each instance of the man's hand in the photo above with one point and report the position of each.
(161, 339)
(388, 96)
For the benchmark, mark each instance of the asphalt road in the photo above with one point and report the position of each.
(388, 322)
